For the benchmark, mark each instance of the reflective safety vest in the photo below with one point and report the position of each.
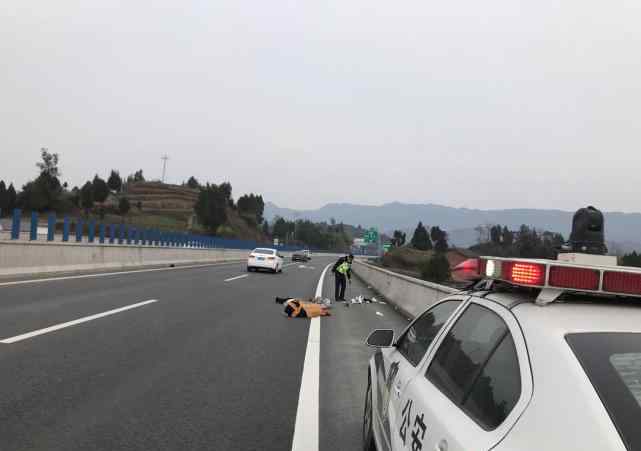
(343, 268)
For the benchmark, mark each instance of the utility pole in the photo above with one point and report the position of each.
(164, 159)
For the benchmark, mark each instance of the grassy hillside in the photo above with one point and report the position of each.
(171, 207)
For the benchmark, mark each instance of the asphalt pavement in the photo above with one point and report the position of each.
(178, 359)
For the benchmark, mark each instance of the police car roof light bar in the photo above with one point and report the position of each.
(555, 277)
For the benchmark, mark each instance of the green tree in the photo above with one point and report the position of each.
(49, 163)
(508, 237)
(45, 191)
(4, 199)
(436, 269)
(398, 239)
(527, 242)
(100, 189)
(123, 206)
(421, 239)
(631, 259)
(75, 197)
(193, 183)
(114, 182)
(251, 207)
(495, 234)
(266, 229)
(439, 238)
(280, 229)
(86, 197)
(226, 189)
(138, 176)
(211, 207)
(12, 198)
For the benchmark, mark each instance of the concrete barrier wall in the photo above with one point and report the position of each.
(18, 257)
(410, 295)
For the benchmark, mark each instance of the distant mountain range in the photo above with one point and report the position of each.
(623, 230)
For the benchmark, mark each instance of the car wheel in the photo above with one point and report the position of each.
(368, 433)
(249, 269)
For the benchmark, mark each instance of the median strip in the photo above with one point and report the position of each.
(49, 329)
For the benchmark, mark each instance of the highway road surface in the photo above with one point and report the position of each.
(182, 359)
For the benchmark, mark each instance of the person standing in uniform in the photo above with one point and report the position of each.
(342, 270)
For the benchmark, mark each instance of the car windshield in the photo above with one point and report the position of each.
(264, 251)
(612, 361)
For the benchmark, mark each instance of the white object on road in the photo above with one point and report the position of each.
(46, 330)
(379, 313)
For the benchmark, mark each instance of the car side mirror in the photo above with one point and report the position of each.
(381, 338)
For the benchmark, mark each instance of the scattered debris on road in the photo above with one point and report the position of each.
(379, 313)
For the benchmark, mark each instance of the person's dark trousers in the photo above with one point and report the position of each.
(340, 281)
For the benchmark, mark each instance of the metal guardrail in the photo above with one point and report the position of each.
(92, 231)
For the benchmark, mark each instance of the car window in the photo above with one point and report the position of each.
(498, 387)
(418, 337)
(264, 251)
(476, 357)
(612, 362)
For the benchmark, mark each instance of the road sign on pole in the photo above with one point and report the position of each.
(371, 236)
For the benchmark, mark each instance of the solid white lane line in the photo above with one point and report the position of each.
(306, 428)
(46, 330)
(104, 274)
(237, 277)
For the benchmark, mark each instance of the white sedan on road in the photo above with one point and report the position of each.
(265, 258)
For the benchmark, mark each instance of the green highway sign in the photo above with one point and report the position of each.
(371, 236)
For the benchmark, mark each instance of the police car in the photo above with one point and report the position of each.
(540, 355)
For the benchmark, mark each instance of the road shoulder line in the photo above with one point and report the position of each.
(306, 429)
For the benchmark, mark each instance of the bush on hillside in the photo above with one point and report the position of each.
(436, 269)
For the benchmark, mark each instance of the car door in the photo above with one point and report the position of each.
(397, 365)
(473, 386)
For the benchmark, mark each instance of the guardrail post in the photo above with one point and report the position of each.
(112, 233)
(91, 233)
(80, 224)
(101, 233)
(33, 235)
(51, 226)
(65, 229)
(15, 224)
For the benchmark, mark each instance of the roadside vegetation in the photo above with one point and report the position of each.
(207, 208)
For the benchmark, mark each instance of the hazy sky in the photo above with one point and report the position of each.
(487, 104)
